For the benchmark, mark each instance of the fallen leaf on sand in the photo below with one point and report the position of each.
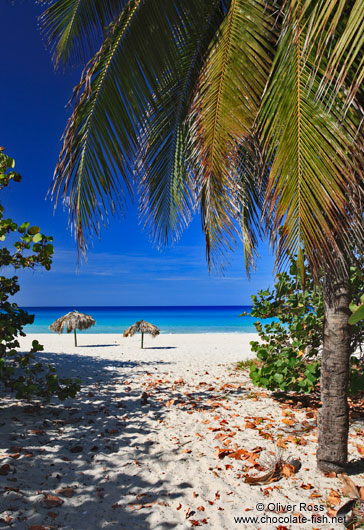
(334, 497)
(6, 519)
(66, 492)
(179, 507)
(288, 470)
(52, 501)
(360, 449)
(186, 451)
(5, 469)
(307, 486)
(201, 508)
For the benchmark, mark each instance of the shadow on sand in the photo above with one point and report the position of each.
(89, 444)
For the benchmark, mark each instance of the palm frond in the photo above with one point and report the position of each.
(252, 182)
(98, 135)
(222, 119)
(315, 158)
(165, 176)
(114, 104)
(335, 33)
(74, 29)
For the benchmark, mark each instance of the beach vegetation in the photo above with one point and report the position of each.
(290, 347)
(21, 372)
(245, 110)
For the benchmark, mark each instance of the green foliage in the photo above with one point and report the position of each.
(19, 371)
(290, 347)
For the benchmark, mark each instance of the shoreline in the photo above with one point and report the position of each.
(171, 347)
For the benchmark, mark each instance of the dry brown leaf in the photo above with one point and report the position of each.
(66, 492)
(5, 469)
(179, 506)
(360, 449)
(330, 474)
(349, 490)
(186, 451)
(334, 498)
(221, 453)
(52, 501)
(288, 470)
(201, 508)
(288, 421)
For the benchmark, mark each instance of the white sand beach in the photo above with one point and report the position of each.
(150, 442)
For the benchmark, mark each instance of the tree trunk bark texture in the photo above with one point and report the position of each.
(75, 337)
(333, 419)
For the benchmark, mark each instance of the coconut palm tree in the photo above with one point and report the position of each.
(247, 109)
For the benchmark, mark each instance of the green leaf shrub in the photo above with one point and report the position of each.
(20, 372)
(289, 350)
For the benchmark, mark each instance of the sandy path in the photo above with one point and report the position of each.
(129, 465)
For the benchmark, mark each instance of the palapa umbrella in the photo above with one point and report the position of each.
(73, 320)
(141, 327)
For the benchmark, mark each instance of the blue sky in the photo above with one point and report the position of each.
(123, 268)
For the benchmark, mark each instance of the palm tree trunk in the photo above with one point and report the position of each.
(142, 340)
(333, 424)
(75, 336)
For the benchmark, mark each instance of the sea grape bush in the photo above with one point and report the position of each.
(289, 349)
(19, 371)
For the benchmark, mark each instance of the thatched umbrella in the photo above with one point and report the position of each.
(141, 327)
(73, 320)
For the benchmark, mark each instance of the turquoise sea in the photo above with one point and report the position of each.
(169, 319)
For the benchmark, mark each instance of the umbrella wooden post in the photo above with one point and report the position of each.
(75, 337)
(142, 339)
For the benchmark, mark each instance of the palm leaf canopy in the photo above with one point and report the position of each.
(241, 108)
(72, 321)
(141, 327)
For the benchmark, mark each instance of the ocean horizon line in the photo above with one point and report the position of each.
(130, 306)
(169, 319)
